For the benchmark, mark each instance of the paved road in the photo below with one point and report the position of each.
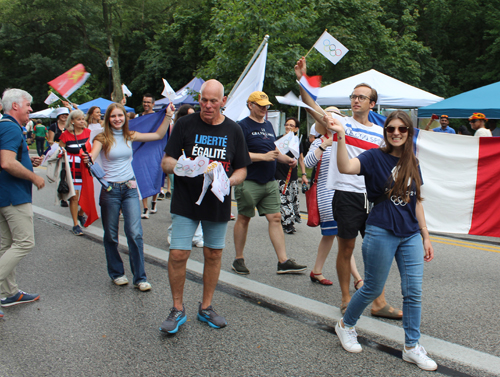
(278, 325)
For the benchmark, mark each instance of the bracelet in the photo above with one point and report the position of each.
(424, 227)
(321, 148)
(304, 173)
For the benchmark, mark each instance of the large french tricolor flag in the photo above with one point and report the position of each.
(461, 182)
(311, 85)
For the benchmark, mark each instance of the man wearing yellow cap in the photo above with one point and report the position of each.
(477, 122)
(260, 189)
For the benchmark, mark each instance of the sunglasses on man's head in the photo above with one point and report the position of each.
(391, 129)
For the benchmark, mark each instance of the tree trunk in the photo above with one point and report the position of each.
(116, 94)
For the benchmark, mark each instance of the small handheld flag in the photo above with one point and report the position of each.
(70, 81)
(330, 48)
(51, 99)
(126, 91)
(168, 91)
(311, 85)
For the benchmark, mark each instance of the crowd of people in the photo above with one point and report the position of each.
(367, 180)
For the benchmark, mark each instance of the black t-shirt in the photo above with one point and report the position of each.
(57, 132)
(260, 138)
(224, 143)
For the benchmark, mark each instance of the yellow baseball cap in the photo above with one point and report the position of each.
(260, 98)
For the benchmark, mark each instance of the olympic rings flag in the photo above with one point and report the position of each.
(330, 48)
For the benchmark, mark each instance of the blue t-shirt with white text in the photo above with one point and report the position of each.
(260, 138)
(392, 214)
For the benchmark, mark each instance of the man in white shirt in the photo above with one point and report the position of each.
(350, 205)
(477, 122)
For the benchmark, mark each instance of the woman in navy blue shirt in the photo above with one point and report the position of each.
(395, 229)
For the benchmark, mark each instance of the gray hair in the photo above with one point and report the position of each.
(74, 114)
(14, 95)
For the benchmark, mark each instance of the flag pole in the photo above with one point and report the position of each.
(249, 65)
(314, 44)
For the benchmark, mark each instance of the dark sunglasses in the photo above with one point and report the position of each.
(391, 129)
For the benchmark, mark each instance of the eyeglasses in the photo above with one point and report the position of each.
(473, 121)
(391, 129)
(262, 107)
(290, 124)
(361, 97)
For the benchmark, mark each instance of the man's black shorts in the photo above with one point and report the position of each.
(350, 212)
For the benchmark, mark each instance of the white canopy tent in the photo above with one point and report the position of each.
(43, 114)
(392, 93)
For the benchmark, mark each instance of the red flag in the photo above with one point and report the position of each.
(69, 82)
(89, 193)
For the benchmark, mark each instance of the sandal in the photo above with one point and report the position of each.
(343, 308)
(386, 312)
(356, 284)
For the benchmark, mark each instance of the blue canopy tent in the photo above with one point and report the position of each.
(484, 100)
(103, 105)
(185, 95)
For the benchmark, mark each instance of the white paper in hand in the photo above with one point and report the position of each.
(217, 177)
(191, 168)
(221, 186)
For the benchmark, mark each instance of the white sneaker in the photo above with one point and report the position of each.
(418, 356)
(153, 208)
(143, 286)
(348, 337)
(145, 214)
(122, 280)
(198, 243)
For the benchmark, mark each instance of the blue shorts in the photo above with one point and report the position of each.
(183, 229)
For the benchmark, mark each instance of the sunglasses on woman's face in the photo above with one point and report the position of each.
(391, 129)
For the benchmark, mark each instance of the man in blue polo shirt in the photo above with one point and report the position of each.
(16, 180)
(444, 121)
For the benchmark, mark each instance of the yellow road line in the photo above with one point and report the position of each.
(469, 245)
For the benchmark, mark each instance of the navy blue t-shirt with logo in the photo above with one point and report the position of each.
(260, 138)
(393, 214)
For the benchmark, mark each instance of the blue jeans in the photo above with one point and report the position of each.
(126, 199)
(380, 247)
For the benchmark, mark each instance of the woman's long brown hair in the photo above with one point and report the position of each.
(106, 138)
(407, 166)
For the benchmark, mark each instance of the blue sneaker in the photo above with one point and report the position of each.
(209, 316)
(1, 314)
(19, 298)
(175, 319)
(82, 219)
(77, 231)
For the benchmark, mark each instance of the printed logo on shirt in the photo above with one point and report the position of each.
(213, 147)
(361, 134)
(265, 135)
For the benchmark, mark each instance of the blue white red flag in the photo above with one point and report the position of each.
(311, 85)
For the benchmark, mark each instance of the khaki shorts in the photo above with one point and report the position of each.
(264, 196)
